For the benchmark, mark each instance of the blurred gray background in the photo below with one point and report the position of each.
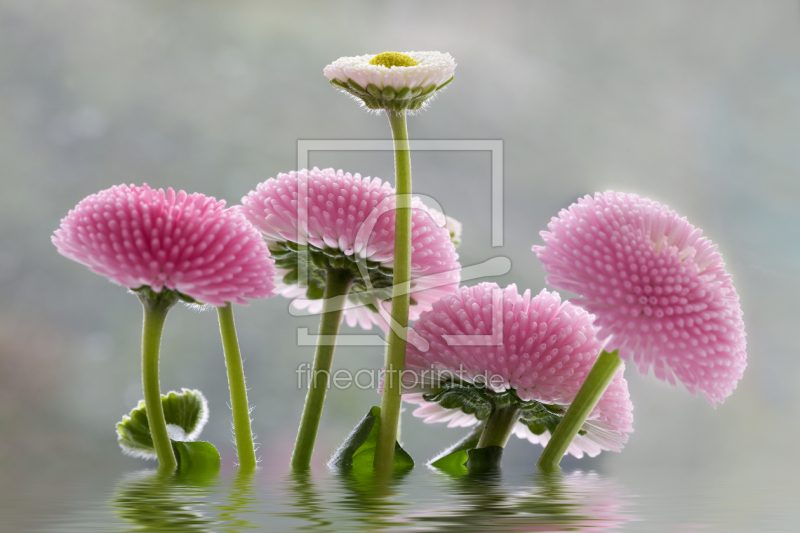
(695, 104)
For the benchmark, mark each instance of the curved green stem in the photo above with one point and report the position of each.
(589, 394)
(337, 285)
(499, 426)
(241, 409)
(155, 313)
(396, 351)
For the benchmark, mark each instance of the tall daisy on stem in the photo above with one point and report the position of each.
(333, 236)
(397, 83)
(660, 295)
(171, 247)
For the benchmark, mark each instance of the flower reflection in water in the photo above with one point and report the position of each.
(306, 502)
(554, 501)
(376, 500)
(239, 502)
(483, 502)
(347, 501)
(153, 501)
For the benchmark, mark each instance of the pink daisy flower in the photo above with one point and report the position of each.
(499, 342)
(346, 221)
(140, 237)
(658, 289)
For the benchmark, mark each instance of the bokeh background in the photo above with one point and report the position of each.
(694, 104)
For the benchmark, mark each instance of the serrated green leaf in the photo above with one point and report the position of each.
(358, 450)
(453, 459)
(185, 413)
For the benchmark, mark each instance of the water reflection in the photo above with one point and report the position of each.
(549, 502)
(345, 501)
(306, 503)
(153, 501)
(473, 502)
(376, 502)
(240, 501)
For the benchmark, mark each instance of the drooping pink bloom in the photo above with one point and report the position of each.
(539, 347)
(189, 243)
(348, 221)
(658, 289)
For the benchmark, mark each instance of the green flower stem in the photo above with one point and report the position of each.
(396, 351)
(337, 286)
(589, 394)
(499, 426)
(155, 313)
(241, 409)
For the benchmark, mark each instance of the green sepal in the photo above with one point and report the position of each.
(371, 280)
(374, 91)
(480, 401)
(185, 414)
(484, 459)
(354, 86)
(453, 459)
(442, 86)
(163, 300)
(389, 98)
(167, 297)
(358, 450)
(403, 94)
(389, 93)
(196, 457)
(430, 89)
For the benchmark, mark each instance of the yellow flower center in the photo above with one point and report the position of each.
(393, 59)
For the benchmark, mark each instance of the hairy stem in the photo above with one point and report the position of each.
(499, 426)
(396, 351)
(243, 433)
(155, 314)
(337, 286)
(589, 394)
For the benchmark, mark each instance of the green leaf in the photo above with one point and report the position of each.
(358, 450)
(185, 413)
(196, 457)
(453, 459)
(484, 459)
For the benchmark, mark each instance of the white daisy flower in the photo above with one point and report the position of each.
(391, 80)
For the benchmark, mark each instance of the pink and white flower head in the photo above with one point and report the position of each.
(657, 287)
(346, 221)
(499, 341)
(392, 80)
(189, 243)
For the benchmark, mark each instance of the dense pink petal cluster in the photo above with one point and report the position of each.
(331, 209)
(538, 346)
(189, 243)
(658, 289)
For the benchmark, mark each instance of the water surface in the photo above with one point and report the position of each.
(423, 500)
